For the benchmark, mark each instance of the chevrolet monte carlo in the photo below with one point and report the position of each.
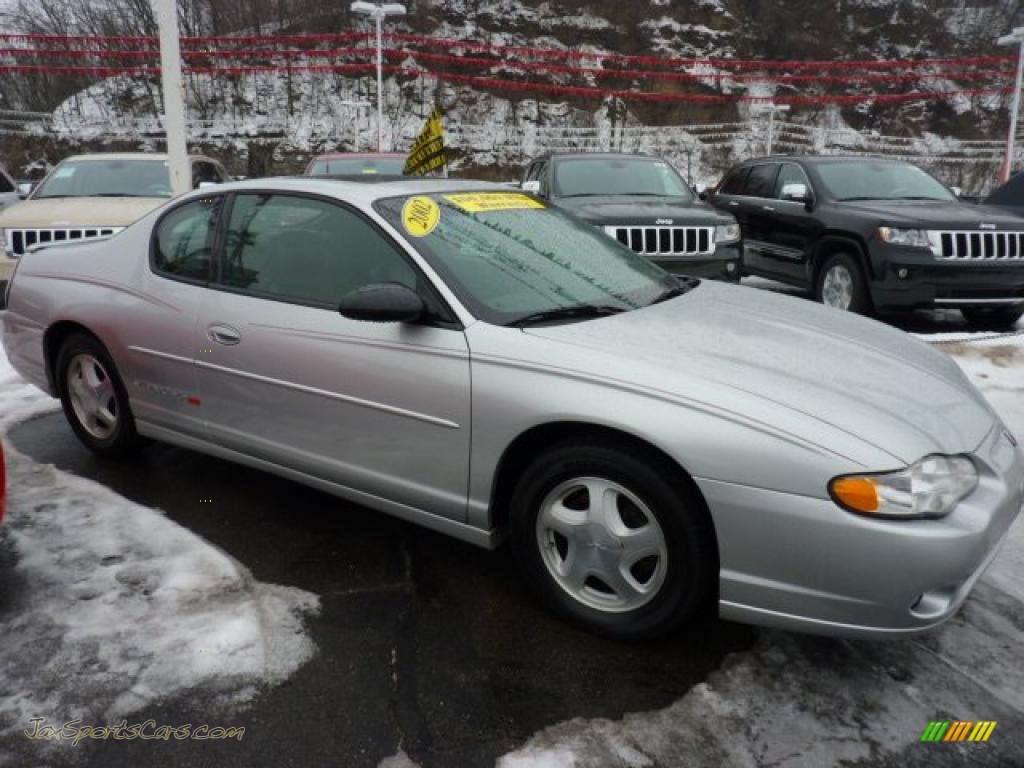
(467, 357)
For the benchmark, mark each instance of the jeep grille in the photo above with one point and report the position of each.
(974, 245)
(665, 241)
(20, 240)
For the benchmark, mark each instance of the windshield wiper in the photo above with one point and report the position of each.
(576, 312)
(851, 199)
(119, 194)
(683, 286)
(921, 197)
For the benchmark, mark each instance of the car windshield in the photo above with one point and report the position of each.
(387, 166)
(590, 176)
(860, 180)
(107, 178)
(510, 258)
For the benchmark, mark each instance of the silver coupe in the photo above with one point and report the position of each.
(466, 357)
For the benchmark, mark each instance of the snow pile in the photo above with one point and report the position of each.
(115, 606)
(806, 701)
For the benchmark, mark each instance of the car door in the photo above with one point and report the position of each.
(757, 209)
(727, 197)
(789, 228)
(8, 190)
(157, 326)
(382, 408)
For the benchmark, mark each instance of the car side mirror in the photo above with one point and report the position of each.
(795, 193)
(702, 195)
(533, 187)
(958, 191)
(382, 303)
(25, 189)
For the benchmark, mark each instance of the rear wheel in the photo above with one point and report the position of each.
(94, 398)
(841, 285)
(611, 539)
(993, 318)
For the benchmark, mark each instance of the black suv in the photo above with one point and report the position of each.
(866, 233)
(643, 203)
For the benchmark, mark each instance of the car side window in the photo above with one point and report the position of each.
(542, 177)
(183, 241)
(761, 181)
(789, 173)
(733, 184)
(6, 185)
(306, 251)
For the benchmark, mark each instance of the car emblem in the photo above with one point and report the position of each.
(1010, 438)
(664, 222)
(983, 225)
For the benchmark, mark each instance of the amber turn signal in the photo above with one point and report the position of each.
(857, 493)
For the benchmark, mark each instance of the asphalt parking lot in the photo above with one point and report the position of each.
(423, 641)
(424, 644)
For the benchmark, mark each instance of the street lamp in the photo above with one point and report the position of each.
(377, 12)
(772, 109)
(1014, 38)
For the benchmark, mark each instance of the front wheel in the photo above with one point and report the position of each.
(993, 318)
(612, 540)
(94, 398)
(841, 285)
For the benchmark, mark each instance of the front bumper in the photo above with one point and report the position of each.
(723, 264)
(908, 279)
(804, 564)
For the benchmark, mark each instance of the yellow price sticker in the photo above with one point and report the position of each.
(485, 202)
(420, 216)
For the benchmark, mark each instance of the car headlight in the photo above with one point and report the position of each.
(931, 487)
(915, 238)
(727, 233)
(3, 244)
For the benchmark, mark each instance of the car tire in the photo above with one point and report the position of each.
(993, 318)
(840, 283)
(94, 398)
(656, 529)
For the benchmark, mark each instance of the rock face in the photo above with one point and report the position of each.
(495, 128)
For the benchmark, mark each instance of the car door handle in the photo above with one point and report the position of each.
(224, 334)
(769, 209)
(734, 204)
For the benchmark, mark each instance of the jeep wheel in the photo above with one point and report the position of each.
(841, 285)
(993, 318)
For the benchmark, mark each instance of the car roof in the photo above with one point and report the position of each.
(819, 159)
(581, 155)
(362, 191)
(154, 156)
(356, 155)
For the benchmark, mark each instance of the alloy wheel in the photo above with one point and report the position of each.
(602, 544)
(92, 396)
(837, 287)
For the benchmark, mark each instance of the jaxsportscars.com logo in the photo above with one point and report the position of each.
(958, 730)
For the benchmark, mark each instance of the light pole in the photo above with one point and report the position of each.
(1014, 38)
(378, 12)
(772, 109)
(173, 93)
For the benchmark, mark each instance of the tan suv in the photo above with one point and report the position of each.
(91, 196)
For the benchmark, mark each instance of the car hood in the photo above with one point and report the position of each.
(935, 215)
(79, 212)
(639, 210)
(786, 361)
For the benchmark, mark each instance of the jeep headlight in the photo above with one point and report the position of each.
(727, 233)
(915, 238)
(931, 487)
